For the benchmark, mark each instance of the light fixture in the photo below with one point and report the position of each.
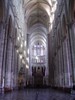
(23, 61)
(21, 45)
(17, 51)
(27, 66)
(20, 56)
(27, 59)
(18, 38)
(28, 51)
(36, 57)
(25, 43)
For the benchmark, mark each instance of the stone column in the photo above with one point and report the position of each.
(2, 32)
(8, 64)
(72, 38)
(59, 57)
(62, 66)
(69, 68)
(69, 62)
(65, 63)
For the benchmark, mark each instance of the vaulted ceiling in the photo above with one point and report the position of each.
(38, 11)
(39, 17)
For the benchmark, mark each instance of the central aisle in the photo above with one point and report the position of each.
(37, 94)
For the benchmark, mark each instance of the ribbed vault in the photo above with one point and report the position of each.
(37, 13)
(38, 19)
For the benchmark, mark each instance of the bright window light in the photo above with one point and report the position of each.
(21, 45)
(48, 11)
(17, 51)
(25, 43)
(28, 51)
(18, 38)
(20, 56)
(36, 57)
(27, 66)
(52, 18)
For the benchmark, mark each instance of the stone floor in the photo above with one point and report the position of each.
(37, 94)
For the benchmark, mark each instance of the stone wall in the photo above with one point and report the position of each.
(12, 33)
(62, 50)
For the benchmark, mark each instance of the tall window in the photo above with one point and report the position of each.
(34, 50)
(38, 53)
(38, 50)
